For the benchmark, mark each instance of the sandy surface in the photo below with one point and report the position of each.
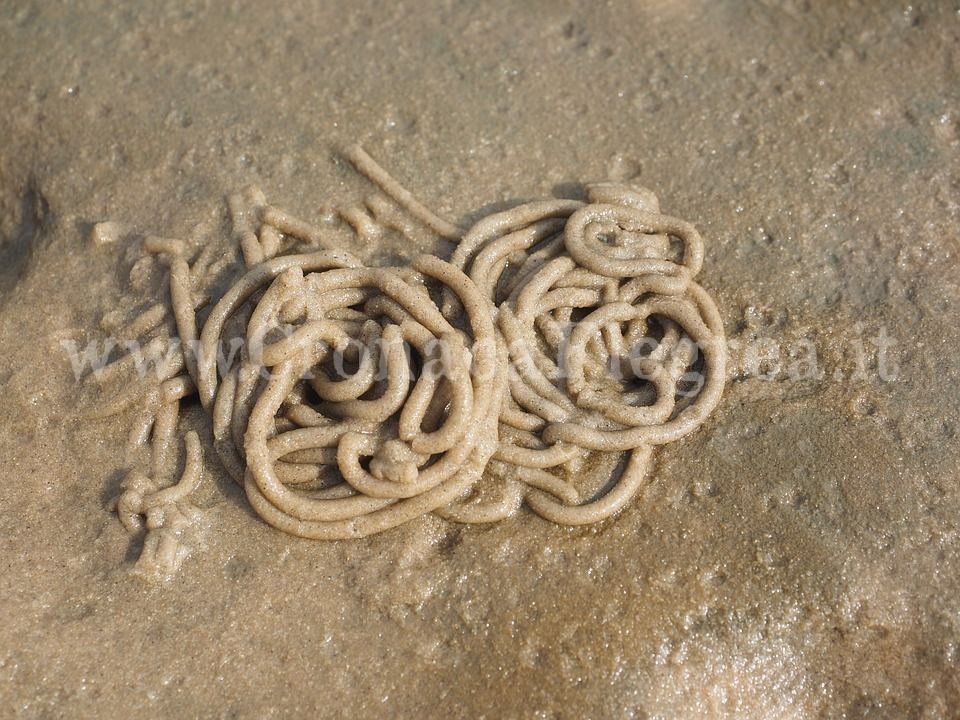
(797, 557)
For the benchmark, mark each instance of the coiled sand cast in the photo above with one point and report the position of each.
(560, 335)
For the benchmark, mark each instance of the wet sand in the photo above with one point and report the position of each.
(796, 557)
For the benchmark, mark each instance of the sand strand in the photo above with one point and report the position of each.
(348, 399)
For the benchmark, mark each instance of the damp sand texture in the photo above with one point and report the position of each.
(795, 557)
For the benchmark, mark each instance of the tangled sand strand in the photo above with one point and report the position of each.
(585, 388)
(348, 399)
(159, 384)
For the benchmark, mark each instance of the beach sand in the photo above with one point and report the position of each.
(797, 557)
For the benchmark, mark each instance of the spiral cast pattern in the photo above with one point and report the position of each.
(560, 336)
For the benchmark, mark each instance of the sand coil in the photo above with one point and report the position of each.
(349, 399)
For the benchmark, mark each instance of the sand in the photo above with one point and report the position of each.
(796, 557)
